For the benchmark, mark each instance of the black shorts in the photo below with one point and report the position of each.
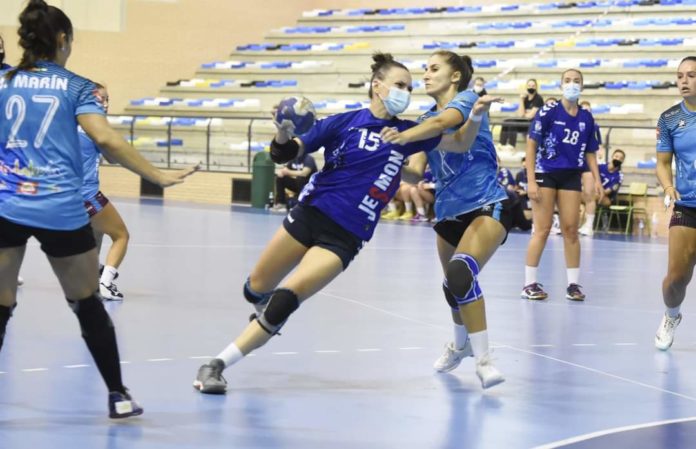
(53, 242)
(311, 227)
(683, 216)
(561, 180)
(453, 230)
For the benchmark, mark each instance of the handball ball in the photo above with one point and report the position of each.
(296, 110)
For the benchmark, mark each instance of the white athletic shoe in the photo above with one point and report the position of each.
(555, 225)
(665, 333)
(586, 230)
(20, 281)
(110, 292)
(489, 374)
(452, 357)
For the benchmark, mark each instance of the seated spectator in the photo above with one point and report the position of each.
(516, 202)
(611, 182)
(479, 86)
(294, 176)
(531, 101)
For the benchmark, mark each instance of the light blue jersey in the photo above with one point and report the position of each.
(90, 165)
(676, 133)
(467, 181)
(40, 160)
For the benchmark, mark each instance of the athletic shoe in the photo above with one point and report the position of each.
(534, 292)
(209, 379)
(110, 292)
(408, 215)
(665, 333)
(391, 215)
(487, 373)
(574, 293)
(279, 208)
(122, 405)
(20, 281)
(586, 230)
(418, 218)
(452, 357)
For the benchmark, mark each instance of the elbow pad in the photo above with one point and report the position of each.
(281, 154)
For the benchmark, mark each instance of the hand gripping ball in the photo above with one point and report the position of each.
(296, 115)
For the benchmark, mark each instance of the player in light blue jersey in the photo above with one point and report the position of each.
(337, 212)
(470, 208)
(40, 179)
(561, 139)
(103, 216)
(676, 138)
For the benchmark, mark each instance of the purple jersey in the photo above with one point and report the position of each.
(361, 173)
(610, 180)
(505, 177)
(562, 139)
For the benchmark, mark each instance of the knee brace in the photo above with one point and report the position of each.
(282, 304)
(461, 280)
(92, 316)
(253, 297)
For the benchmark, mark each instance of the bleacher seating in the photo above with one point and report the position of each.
(628, 51)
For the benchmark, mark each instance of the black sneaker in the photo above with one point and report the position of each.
(122, 405)
(209, 379)
(574, 293)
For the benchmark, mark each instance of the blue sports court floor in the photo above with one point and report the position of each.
(353, 368)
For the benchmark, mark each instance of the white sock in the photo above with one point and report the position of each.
(530, 275)
(573, 275)
(391, 207)
(589, 221)
(108, 275)
(479, 344)
(461, 335)
(673, 312)
(421, 211)
(230, 355)
(409, 207)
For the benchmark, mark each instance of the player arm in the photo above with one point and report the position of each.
(432, 127)
(530, 160)
(416, 164)
(663, 169)
(116, 149)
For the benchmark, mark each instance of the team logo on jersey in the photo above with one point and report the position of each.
(682, 123)
(537, 125)
(28, 188)
(582, 126)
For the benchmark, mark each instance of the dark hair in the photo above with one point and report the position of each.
(619, 151)
(383, 62)
(582, 78)
(479, 78)
(2, 55)
(38, 32)
(688, 58)
(461, 64)
(533, 80)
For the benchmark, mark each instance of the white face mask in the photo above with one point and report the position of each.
(571, 91)
(397, 101)
(478, 89)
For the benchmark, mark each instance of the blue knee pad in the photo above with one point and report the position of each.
(461, 281)
(255, 297)
(282, 304)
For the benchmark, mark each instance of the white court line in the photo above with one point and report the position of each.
(75, 366)
(34, 370)
(604, 373)
(286, 353)
(541, 346)
(584, 344)
(368, 350)
(587, 368)
(125, 362)
(327, 351)
(589, 436)
(160, 360)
